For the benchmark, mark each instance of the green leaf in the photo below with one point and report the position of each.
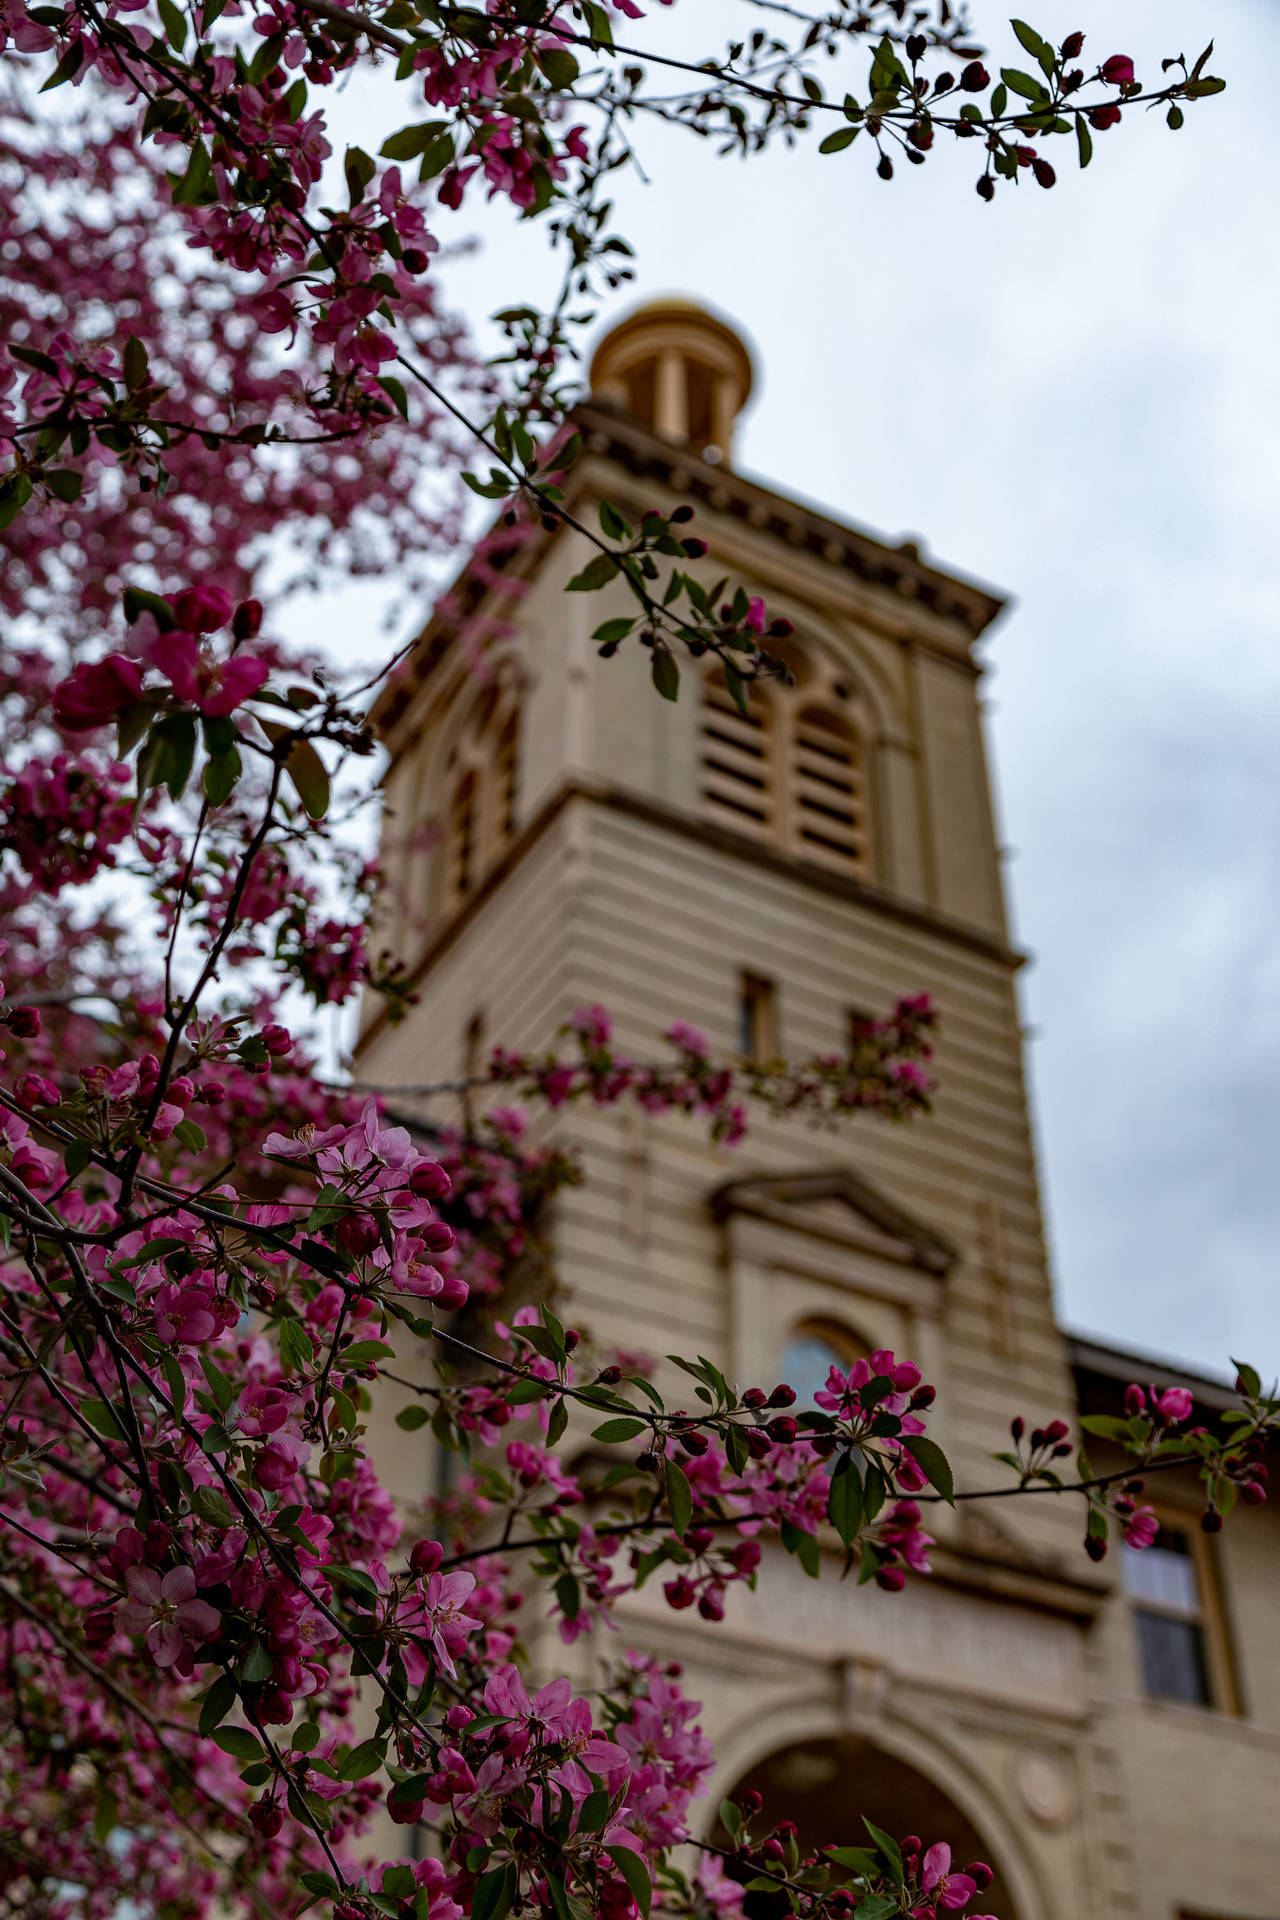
(363, 1760)
(610, 632)
(359, 170)
(876, 1906)
(65, 484)
(1084, 140)
(1030, 39)
(217, 1703)
(999, 101)
(856, 1859)
(296, 1349)
(559, 66)
(804, 1546)
(191, 1134)
(597, 573)
(409, 1419)
(175, 25)
(636, 1874)
(137, 601)
(75, 1158)
(310, 778)
(494, 1892)
(666, 673)
(106, 1814)
(364, 1353)
(221, 772)
(614, 1431)
(67, 68)
(679, 1498)
(102, 1418)
(1023, 84)
(239, 1743)
(174, 740)
(837, 142)
(257, 1664)
(933, 1463)
(211, 1506)
(1250, 1382)
(394, 390)
(15, 491)
(844, 1501)
(557, 1421)
(1174, 118)
(1198, 89)
(730, 1819)
(411, 141)
(889, 1848)
(1106, 1426)
(569, 1595)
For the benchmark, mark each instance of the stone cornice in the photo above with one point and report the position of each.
(617, 439)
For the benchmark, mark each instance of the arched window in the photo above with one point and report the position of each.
(739, 784)
(460, 841)
(792, 770)
(814, 1347)
(480, 798)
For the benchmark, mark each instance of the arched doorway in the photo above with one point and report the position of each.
(827, 1786)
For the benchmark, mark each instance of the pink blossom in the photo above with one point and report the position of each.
(950, 1890)
(1141, 1528)
(93, 694)
(167, 1612)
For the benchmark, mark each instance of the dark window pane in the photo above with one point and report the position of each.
(1172, 1653)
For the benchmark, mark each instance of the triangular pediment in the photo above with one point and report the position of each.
(838, 1204)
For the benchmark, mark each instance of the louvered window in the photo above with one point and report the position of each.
(791, 770)
(460, 841)
(505, 779)
(738, 782)
(830, 810)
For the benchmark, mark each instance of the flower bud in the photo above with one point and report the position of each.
(201, 608)
(974, 77)
(1135, 1400)
(430, 1179)
(1252, 1494)
(986, 188)
(23, 1022)
(425, 1557)
(884, 167)
(277, 1039)
(1055, 1431)
(978, 1869)
(1118, 70)
(755, 1397)
(266, 1818)
(1211, 1521)
(892, 1579)
(246, 621)
(415, 260)
(694, 548)
(1017, 1427)
(782, 1397)
(751, 1801)
(1095, 1547)
(711, 1606)
(357, 1234)
(779, 629)
(680, 515)
(783, 1430)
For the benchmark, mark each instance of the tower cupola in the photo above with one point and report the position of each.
(681, 371)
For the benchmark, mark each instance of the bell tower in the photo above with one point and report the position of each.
(682, 372)
(558, 835)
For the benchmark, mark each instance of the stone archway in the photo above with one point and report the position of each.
(826, 1785)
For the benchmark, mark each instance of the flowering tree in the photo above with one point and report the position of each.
(224, 1651)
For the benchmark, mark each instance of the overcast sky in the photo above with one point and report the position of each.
(1074, 396)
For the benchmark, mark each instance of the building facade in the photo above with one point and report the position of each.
(560, 836)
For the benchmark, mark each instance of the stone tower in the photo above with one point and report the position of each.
(767, 877)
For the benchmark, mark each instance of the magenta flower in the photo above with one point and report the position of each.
(166, 1610)
(94, 694)
(1141, 1528)
(949, 1889)
(202, 608)
(1174, 1403)
(1118, 70)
